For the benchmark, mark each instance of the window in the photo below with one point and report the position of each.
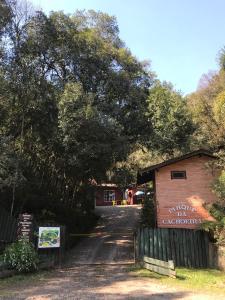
(178, 175)
(109, 196)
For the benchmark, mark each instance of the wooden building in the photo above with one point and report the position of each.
(107, 193)
(182, 187)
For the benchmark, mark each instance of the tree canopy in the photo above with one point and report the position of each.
(75, 105)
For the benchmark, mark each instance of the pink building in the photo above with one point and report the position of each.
(182, 188)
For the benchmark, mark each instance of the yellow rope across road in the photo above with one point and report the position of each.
(100, 234)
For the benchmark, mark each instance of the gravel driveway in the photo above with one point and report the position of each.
(112, 240)
(99, 282)
(98, 269)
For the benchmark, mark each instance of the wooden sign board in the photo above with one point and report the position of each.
(25, 227)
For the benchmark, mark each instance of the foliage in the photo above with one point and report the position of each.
(170, 120)
(21, 256)
(216, 228)
(5, 14)
(124, 173)
(8, 165)
(207, 108)
(219, 188)
(208, 113)
(76, 105)
(69, 88)
(148, 216)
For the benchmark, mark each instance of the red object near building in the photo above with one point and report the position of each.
(108, 193)
(182, 188)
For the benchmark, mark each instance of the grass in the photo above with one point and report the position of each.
(19, 281)
(205, 280)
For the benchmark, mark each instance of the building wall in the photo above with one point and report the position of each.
(99, 195)
(180, 201)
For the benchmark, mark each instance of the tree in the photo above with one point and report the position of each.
(74, 102)
(170, 120)
(207, 108)
(5, 14)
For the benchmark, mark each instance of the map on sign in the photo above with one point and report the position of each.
(49, 237)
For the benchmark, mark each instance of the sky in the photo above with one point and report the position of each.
(181, 38)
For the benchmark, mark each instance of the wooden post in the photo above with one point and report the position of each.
(25, 227)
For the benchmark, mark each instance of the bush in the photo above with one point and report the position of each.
(216, 228)
(148, 216)
(21, 256)
(219, 188)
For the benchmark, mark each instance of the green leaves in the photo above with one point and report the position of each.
(21, 256)
(76, 103)
(171, 122)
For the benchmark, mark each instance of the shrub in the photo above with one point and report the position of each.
(148, 216)
(216, 228)
(21, 256)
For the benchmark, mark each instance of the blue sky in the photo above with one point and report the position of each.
(181, 38)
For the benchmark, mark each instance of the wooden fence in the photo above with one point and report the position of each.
(186, 247)
(8, 227)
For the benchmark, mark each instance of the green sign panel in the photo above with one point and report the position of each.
(49, 237)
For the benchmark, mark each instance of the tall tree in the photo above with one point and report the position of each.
(170, 120)
(74, 100)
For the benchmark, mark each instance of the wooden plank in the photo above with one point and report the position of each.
(206, 240)
(151, 243)
(172, 245)
(138, 243)
(146, 241)
(185, 243)
(160, 270)
(182, 246)
(171, 264)
(142, 242)
(155, 238)
(192, 252)
(203, 251)
(177, 245)
(190, 249)
(164, 245)
(198, 264)
(168, 244)
(160, 244)
(160, 263)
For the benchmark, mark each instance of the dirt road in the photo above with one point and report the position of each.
(111, 241)
(111, 247)
(101, 282)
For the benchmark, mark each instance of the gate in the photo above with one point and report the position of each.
(8, 228)
(186, 247)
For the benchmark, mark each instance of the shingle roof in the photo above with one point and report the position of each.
(148, 172)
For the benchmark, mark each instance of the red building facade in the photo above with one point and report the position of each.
(108, 193)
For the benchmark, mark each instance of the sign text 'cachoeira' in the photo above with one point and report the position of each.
(182, 214)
